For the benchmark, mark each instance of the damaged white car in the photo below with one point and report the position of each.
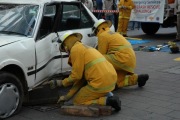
(29, 48)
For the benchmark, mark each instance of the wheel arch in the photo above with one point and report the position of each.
(18, 72)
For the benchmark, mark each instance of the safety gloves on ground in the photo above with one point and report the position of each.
(53, 83)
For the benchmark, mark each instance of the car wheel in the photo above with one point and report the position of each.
(11, 93)
(150, 28)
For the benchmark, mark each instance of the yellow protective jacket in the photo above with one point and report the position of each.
(92, 66)
(117, 50)
(125, 13)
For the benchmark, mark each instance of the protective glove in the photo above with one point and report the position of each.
(129, 7)
(53, 83)
(61, 99)
(122, 7)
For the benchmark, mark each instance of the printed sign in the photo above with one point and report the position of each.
(148, 11)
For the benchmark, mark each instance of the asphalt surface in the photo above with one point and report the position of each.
(159, 99)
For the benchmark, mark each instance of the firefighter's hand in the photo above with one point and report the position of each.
(61, 99)
(122, 7)
(53, 83)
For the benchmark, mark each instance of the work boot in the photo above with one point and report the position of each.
(114, 102)
(142, 79)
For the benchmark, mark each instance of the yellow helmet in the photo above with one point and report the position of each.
(99, 22)
(64, 36)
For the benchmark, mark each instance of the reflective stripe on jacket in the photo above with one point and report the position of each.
(117, 50)
(125, 13)
(87, 62)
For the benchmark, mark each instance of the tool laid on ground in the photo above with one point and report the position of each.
(173, 47)
(159, 47)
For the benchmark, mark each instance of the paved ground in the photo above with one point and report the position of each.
(158, 100)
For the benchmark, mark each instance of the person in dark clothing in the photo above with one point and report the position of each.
(99, 7)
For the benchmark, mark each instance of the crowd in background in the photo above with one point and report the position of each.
(112, 16)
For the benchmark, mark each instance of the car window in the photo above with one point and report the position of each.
(50, 10)
(47, 21)
(74, 16)
(18, 19)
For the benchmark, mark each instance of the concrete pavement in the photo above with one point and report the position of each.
(159, 99)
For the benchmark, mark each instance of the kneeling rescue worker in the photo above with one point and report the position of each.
(92, 76)
(119, 52)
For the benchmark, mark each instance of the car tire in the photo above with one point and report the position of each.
(150, 28)
(11, 92)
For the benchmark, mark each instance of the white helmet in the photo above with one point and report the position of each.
(66, 35)
(99, 22)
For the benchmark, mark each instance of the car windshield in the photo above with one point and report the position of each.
(18, 19)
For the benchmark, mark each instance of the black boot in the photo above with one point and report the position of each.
(114, 102)
(142, 79)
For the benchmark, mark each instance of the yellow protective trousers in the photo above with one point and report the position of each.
(119, 52)
(126, 79)
(85, 96)
(124, 15)
(122, 25)
(90, 68)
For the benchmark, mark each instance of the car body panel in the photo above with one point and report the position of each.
(40, 58)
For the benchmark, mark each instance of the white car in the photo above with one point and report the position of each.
(29, 48)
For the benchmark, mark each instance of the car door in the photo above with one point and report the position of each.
(74, 16)
(48, 60)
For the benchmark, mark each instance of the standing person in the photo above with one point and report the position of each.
(90, 67)
(116, 15)
(119, 52)
(99, 7)
(135, 26)
(125, 7)
(108, 5)
(89, 4)
(177, 4)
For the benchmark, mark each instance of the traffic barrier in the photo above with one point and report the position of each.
(105, 11)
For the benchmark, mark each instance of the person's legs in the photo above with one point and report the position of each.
(116, 20)
(107, 17)
(111, 17)
(99, 16)
(120, 25)
(139, 25)
(178, 27)
(88, 97)
(133, 25)
(125, 26)
(125, 79)
(99, 7)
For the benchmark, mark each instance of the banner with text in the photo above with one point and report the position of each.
(148, 11)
